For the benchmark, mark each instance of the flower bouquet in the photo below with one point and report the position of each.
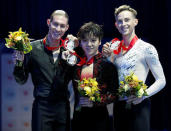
(132, 86)
(19, 41)
(89, 88)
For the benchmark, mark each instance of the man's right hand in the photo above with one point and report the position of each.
(69, 57)
(66, 54)
(17, 56)
(106, 50)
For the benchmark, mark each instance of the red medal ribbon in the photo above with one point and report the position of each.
(122, 46)
(83, 61)
(53, 48)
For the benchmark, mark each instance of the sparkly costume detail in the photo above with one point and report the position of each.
(141, 58)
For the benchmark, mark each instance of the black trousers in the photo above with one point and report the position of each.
(91, 119)
(137, 118)
(50, 115)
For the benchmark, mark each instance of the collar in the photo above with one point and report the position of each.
(55, 47)
(83, 61)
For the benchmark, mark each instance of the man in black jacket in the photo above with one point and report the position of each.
(50, 76)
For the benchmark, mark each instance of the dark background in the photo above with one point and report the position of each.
(154, 27)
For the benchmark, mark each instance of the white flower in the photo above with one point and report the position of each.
(88, 90)
(126, 88)
(18, 38)
(140, 92)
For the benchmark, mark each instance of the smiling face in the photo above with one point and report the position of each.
(90, 45)
(126, 22)
(90, 35)
(57, 26)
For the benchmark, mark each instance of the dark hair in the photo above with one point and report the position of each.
(90, 28)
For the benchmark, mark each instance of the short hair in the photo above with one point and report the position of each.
(90, 28)
(123, 8)
(59, 12)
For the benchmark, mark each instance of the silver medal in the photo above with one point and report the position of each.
(71, 59)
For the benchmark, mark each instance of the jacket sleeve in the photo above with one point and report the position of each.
(109, 91)
(21, 73)
(155, 67)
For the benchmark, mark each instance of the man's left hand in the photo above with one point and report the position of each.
(73, 38)
(135, 100)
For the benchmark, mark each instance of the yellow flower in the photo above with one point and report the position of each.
(88, 90)
(85, 81)
(93, 82)
(20, 30)
(128, 78)
(18, 38)
(135, 78)
(126, 88)
(133, 84)
(89, 87)
(94, 89)
(144, 86)
(121, 82)
(92, 98)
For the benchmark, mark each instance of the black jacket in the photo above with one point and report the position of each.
(107, 77)
(50, 79)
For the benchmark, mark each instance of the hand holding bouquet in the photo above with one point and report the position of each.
(89, 88)
(19, 41)
(132, 86)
